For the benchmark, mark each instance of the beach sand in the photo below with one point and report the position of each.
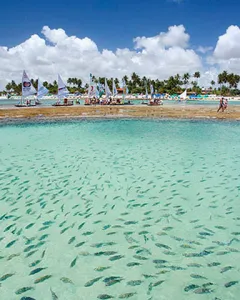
(179, 112)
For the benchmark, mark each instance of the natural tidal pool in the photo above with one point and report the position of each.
(120, 209)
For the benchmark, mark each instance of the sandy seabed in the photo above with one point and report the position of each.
(179, 112)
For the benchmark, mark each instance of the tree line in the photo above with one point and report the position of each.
(227, 84)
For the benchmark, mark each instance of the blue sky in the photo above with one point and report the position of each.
(113, 24)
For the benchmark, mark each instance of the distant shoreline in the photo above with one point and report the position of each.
(133, 111)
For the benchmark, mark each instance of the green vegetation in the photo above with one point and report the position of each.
(228, 84)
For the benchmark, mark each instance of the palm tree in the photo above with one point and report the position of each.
(186, 77)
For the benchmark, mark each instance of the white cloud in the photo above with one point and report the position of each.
(157, 57)
(226, 54)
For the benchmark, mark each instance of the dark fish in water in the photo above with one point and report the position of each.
(80, 244)
(105, 296)
(29, 225)
(194, 265)
(66, 280)
(43, 237)
(29, 248)
(230, 283)
(33, 264)
(196, 276)
(71, 240)
(134, 282)
(116, 257)
(43, 254)
(126, 295)
(23, 290)
(13, 255)
(88, 233)
(73, 263)
(159, 261)
(157, 283)
(11, 243)
(106, 253)
(101, 269)
(163, 246)
(112, 280)
(27, 298)
(191, 287)
(225, 269)
(133, 264)
(41, 279)
(202, 290)
(140, 257)
(214, 264)
(36, 271)
(6, 276)
(91, 282)
(54, 296)
(149, 276)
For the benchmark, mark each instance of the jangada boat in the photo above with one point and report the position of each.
(62, 93)
(41, 92)
(27, 90)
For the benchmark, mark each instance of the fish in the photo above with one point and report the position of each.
(23, 290)
(71, 240)
(196, 276)
(101, 269)
(6, 276)
(66, 280)
(225, 269)
(106, 253)
(230, 283)
(116, 257)
(33, 264)
(163, 246)
(105, 296)
(13, 255)
(91, 282)
(35, 271)
(11, 243)
(112, 280)
(126, 295)
(80, 244)
(27, 298)
(133, 264)
(202, 290)
(134, 282)
(54, 296)
(41, 279)
(73, 263)
(191, 287)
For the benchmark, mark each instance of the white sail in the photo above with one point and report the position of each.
(107, 89)
(27, 87)
(114, 89)
(62, 88)
(92, 88)
(183, 95)
(42, 90)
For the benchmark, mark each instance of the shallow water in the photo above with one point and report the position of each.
(136, 209)
(50, 102)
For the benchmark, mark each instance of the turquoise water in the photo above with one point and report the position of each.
(136, 209)
(11, 102)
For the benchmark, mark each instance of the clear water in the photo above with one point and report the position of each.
(136, 209)
(50, 102)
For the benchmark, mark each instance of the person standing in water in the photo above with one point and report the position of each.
(221, 105)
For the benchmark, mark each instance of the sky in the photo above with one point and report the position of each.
(155, 38)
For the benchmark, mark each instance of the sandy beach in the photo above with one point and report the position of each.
(179, 112)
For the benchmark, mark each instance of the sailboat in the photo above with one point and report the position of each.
(183, 96)
(62, 93)
(107, 90)
(41, 92)
(114, 89)
(27, 90)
